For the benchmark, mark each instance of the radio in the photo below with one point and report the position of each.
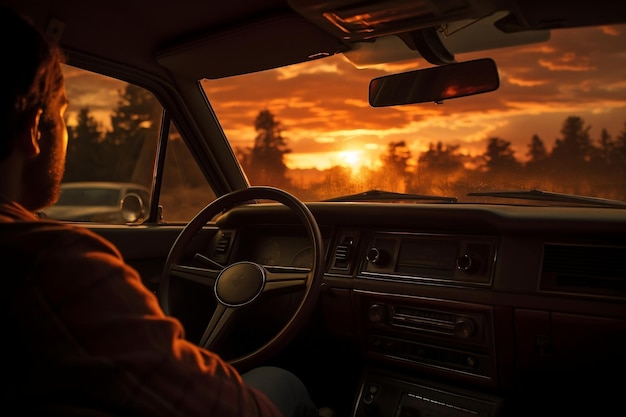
(448, 260)
(462, 326)
(447, 337)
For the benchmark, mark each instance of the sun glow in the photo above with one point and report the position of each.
(352, 159)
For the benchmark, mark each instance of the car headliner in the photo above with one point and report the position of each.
(215, 39)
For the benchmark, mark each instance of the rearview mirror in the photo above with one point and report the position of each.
(435, 84)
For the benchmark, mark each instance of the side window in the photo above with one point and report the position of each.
(113, 129)
(185, 190)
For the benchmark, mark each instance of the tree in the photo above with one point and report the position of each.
(395, 163)
(537, 166)
(617, 163)
(440, 157)
(499, 156)
(135, 123)
(84, 153)
(537, 152)
(574, 147)
(571, 156)
(268, 153)
(438, 169)
(602, 155)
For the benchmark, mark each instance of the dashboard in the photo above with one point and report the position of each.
(472, 295)
(276, 249)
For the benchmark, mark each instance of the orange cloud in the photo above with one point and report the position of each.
(568, 62)
(526, 83)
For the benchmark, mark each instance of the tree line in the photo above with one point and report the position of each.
(575, 163)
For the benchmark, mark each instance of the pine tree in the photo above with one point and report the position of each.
(575, 146)
(84, 150)
(395, 163)
(135, 123)
(499, 156)
(537, 152)
(268, 154)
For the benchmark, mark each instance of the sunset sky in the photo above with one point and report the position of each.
(323, 105)
(327, 120)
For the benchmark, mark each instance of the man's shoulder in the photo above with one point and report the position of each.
(44, 233)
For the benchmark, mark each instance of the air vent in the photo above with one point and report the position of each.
(222, 245)
(592, 270)
(343, 253)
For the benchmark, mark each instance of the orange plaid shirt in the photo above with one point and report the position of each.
(83, 330)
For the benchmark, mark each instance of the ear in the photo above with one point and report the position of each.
(31, 142)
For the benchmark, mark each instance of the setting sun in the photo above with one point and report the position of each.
(351, 159)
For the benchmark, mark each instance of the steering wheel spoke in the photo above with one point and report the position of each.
(202, 276)
(218, 322)
(280, 278)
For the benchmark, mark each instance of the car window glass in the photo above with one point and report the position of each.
(185, 190)
(555, 124)
(89, 196)
(113, 129)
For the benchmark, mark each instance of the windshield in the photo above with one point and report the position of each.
(557, 123)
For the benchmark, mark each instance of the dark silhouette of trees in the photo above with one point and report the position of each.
(135, 124)
(501, 169)
(606, 147)
(97, 154)
(571, 157)
(574, 147)
(500, 156)
(438, 169)
(536, 167)
(617, 163)
(609, 157)
(395, 164)
(84, 146)
(537, 156)
(440, 157)
(267, 156)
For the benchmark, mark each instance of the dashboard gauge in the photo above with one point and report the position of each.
(269, 253)
(304, 258)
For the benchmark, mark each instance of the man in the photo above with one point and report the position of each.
(84, 336)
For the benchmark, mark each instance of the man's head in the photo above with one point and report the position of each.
(33, 136)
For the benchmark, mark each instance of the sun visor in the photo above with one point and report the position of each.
(457, 37)
(269, 43)
(559, 14)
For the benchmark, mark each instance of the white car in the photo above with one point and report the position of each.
(110, 202)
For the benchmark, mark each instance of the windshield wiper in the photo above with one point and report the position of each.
(553, 197)
(378, 195)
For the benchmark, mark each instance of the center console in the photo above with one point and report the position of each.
(441, 337)
(383, 394)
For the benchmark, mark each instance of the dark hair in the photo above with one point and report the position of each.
(32, 77)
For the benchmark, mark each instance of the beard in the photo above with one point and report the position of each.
(43, 174)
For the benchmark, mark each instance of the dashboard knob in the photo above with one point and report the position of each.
(377, 257)
(467, 263)
(377, 313)
(464, 327)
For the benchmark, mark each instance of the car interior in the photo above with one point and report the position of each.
(385, 302)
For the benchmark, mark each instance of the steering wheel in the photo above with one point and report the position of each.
(241, 283)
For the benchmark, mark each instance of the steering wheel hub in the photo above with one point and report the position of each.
(239, 283)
